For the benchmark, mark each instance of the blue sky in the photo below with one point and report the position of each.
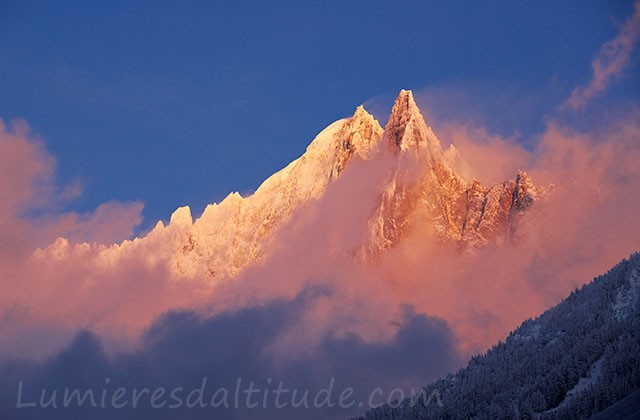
(175, 104)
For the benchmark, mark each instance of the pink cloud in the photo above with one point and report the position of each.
(476, 147)
(610, 61)
(109, 223)
(31, 292)
(28, 184)
(587, 224)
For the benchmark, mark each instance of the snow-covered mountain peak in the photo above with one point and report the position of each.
(407, 130)
(237, 231)
(182, 216)
(417, 184)
(361, 113)
(363, 133)
(405, 104)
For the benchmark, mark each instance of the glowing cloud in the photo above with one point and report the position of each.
(31, 294)
(609, 62)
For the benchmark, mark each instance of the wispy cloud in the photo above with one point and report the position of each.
(28, 186)
(609, 63)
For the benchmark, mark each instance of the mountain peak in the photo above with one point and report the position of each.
(362, 117)
(362, 133)
(181, 217)
(405, 103)
(360, 112)
(417, 182)
(407, 130)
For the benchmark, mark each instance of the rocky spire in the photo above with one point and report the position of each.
(407, 130)
(364, 132)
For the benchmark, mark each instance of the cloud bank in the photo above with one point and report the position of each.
(183, 352)
(31, 216)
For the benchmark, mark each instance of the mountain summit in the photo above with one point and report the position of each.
(417, 188)
(454, 210)
(407, 129)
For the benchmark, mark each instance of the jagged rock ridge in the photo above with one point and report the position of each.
(420, 189)
(467, 213)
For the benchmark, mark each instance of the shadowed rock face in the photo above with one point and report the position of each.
(403, 164)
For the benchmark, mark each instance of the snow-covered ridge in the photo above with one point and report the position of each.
(627, 298)
(420, 187)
